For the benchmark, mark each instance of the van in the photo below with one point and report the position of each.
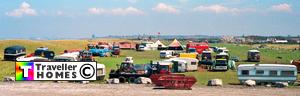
(267, 73)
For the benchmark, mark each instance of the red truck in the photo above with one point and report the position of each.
(198, 47)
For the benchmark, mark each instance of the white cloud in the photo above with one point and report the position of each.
(221, 9)
(282, 7)
(24, 9)
(127, 11)
(161, 7)
(59, 13)
(117, 11)
(96, 10)
(183, 1)
(133, 1)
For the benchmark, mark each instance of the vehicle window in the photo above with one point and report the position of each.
(287, 73)
(245, 72)
(193, 63)
(100, 71)
(273, 73)
(260, 72)
(10, 52)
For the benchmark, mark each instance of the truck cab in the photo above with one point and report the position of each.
(253, 55)
(206, 58)
(220, 65)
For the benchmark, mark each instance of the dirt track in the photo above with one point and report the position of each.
(68, 89)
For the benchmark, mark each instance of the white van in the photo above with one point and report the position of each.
(166, 54)
(267, 73)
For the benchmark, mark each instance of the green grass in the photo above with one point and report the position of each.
(229, 77)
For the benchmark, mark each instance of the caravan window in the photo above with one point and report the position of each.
(245, 72)
(259, 72)
(273, 73)
(287, 73)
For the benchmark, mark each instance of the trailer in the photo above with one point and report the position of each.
(191, 63)
(267, 73)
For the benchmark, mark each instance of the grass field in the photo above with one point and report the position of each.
(268, 56)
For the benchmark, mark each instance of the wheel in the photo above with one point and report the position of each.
(122, 79)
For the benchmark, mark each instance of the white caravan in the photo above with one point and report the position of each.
(267, 73)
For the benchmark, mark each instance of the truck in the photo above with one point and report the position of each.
(85, 55)
(253, 56)
(206, 58)
(199, 47)
(222, 63)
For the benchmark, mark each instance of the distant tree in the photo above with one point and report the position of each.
(93, 36)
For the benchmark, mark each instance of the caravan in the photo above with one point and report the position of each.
(191, 63)
(267, 73)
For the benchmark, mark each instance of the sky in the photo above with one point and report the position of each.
(82, 18)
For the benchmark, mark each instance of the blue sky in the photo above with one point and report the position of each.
(82, 18)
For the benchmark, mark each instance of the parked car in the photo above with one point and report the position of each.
(235, 58)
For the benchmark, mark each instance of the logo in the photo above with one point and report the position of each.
(29, 71)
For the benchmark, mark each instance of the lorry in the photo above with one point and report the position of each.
(199, 47)
(116, 50)
(253, 56)
(222, 62)
(85, 55)
(13, 52)
(206, 58)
